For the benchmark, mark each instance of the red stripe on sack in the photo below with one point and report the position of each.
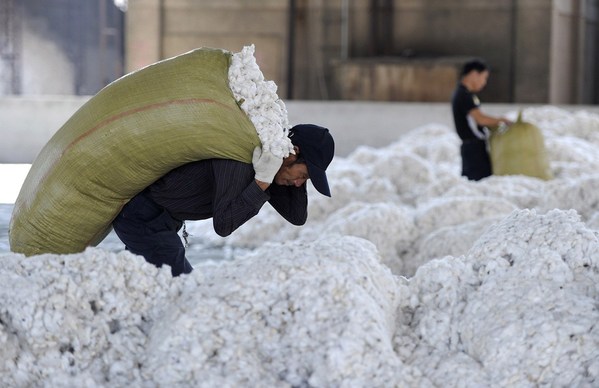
(141, 109)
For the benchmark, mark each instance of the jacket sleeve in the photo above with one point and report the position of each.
(237, 196)
(290, 202)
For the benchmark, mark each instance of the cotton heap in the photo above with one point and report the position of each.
(259, 100)
(517, 309)
(432, 211)
(410, 276)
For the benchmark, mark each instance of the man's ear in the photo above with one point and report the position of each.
(296, 149)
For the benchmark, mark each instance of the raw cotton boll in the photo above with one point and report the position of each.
(345, 191)
(551, 120)
(441, 288)
(443, 185)
(522, 191)
(536, 295)
(524, 230)
(559, 122)
(586, 126)
(593, 221)
(571, 157)
(344, 168)
(364, 155)
(457, 210)
(581, 194)
(564, 171)
(407, 171)
(270, 226)
(388, 226)
(520, 280)
(453, 369)
(555, 330)
(202, 232)
(73, 308)
(322, 309)
(571, 149)
(348, 182)
(260, 102)
(433, 142)
(455, 240)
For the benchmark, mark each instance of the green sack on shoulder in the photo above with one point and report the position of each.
(124, 138)
(520, 150)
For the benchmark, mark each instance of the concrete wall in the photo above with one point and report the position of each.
(540, 51)
(397, 79)
(28, 123)
(513, 37)
(574, 53)
(158, 29)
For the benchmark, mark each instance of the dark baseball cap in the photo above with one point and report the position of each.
(317, 148)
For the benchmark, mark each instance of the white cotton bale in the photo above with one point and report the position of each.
(457, 210)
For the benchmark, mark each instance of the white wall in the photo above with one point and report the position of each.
(27, 123)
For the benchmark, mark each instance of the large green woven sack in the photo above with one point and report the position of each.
(124, 138)
(519, 151)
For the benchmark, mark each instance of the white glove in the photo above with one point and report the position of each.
(266, 165)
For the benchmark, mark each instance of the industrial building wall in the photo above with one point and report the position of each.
(540, 51)
(158, 29)
(59, 46)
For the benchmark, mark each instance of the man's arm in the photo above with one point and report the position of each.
(237, 196)
(290, 202)
(485, 120)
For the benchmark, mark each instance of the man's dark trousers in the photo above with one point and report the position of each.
(147, 229)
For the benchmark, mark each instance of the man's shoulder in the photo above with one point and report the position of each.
(462, 97)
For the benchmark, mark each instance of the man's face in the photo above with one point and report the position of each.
(479, 80)
(291, 173)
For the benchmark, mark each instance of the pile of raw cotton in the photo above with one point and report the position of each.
(408, 276)
(259, 100)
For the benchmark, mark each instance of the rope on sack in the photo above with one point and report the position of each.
(185, 235)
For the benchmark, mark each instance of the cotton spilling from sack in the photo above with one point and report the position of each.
(414, 279)
(259, 100)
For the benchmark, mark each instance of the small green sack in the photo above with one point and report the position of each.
(123, 139)
(520, 150)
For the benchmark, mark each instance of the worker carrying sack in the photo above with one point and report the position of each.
(130, 134)
(519, 150)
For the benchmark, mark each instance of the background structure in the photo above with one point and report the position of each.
(66, 47)
(540, 51)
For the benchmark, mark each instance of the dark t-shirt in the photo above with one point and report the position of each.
(462, 102)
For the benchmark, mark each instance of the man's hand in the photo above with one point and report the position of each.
(266, 165)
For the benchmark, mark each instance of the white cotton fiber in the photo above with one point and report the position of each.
(457, 210)
(259, 100)
(410, 275)
(454, 240)
(390, 227)
(537, 278)
(581, 194)
(66, 319)
(520, 304)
